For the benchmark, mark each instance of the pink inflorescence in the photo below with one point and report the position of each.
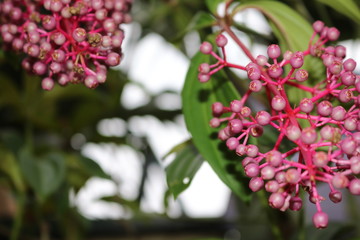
(65, 41)
(324, 128)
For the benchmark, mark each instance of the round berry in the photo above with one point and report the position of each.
(273, 51)
(206, 48)
(278, 103)
(221, 40)
(320, 220)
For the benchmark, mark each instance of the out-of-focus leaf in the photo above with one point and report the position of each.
(197, 99)
(335, 231)
(11, 140)
(80, 169)
(347, 7)
(213, 5)
(93, 168)
(201, 20)
(183, 168)
(124, 202)
(10, 167)
(44, 174)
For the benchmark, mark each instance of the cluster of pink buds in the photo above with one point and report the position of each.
(65, 41)
(323, 129)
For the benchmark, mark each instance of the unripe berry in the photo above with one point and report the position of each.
(272, 186)
(345, 95)
(327, 132)
(336, 67)
(276, 200)
(47, 84)
(295, 203)
(348, 145)
(354, 186)
(320, 159)
(236, 125)
(113, 59)
(350, 123)
(328, 59)
(335, 196)
(204, 68)
(287, 55)
(255, 86)
(267, 172)
(273, 51)
(256, 184)
(263, 118)
(217, 109)
(245, 111)
(293, 132)
(223, 135)
(340, 51)
(275, 71)
(349, 65)
(240, 150)
(235, 106)
(301, 75)
(292, 176)
(278, 103)
(333, 34)
(318, 26)
(206, 48)
(203, 77)
(232, 143)
(348, 78)
(274, 158)
(39, 68)
(252, 170)
(324, 108)
(306, 105)
(79, 34)
(355, 164)
(251, 150)
(221, 40)
(340, 180)
(215, 122)
(91, 81)
(338, 113)
(308, 135)
(320, 220)
(297, 60)
(261, 60)
(253, 71)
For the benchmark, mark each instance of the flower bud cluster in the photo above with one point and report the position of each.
(323, 128)
(65, 41)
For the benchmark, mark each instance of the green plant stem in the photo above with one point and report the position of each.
(15, 231)
(274, 223)
(301, 225)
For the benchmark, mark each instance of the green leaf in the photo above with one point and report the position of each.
(93, 168)
(347, 7)
(10, 167)
(44, 174)
(290, 25)
(293, 32)
(201, 20)
(213, 5)
(197, 100)
(183, 168)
